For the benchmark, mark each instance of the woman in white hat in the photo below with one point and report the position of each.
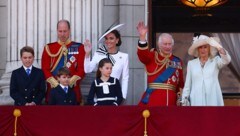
(202, 86)
(110, 50)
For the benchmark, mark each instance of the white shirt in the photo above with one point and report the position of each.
(119, 70)
(202, 83)
(25, 68)
(64, 87)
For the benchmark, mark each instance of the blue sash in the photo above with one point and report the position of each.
(72, 49)
(160, 79)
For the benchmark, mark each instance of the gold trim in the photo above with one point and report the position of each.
(162, 86)
(161, 63)
(56, 63)
(52, 81)
(64, 43)
(146, 114)
(73, 80)
(16, 113)
(62, 51)
(50, 54)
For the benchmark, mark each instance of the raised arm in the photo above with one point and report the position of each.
(225, 57)
(142, 31)
(88, 64)
(87, 48)
(143, 52)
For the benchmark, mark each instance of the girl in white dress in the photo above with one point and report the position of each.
(119, 59)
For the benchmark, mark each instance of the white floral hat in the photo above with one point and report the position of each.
(200, 41)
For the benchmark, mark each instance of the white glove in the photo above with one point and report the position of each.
(211, 41)
(185, 102)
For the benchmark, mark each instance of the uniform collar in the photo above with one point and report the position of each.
(64, 43)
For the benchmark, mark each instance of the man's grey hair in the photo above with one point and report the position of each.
(165, 35)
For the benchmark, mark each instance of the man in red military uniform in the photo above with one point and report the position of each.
(63, 53)
(164, 70)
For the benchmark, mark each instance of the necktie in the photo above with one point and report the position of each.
(65, 89)
(28, 71)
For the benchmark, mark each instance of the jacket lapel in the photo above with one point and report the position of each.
(61, 91)
(33, 73)
(28, 78)
(23, 73)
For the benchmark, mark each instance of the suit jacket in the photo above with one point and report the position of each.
(59, 97)
(25, 89)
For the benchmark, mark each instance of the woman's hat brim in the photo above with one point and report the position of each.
(200, 42)
(117, 27)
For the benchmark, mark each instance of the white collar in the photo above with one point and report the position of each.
(28, 68)
(63, 86)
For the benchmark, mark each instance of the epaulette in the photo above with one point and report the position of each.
(50, 44)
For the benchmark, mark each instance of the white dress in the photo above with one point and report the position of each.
(120, 68)
(202, 83)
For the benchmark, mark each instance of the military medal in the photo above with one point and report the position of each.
(68, 65)
(72, 59)
(173, 78)
(177, 73)
(69, 51)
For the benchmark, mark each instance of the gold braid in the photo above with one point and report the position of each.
(161, 63)
(50, 54)
(63, 50)
(63, 47)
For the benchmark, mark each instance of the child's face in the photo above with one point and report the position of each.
(64, 80)
(106, 70)
(27, 59)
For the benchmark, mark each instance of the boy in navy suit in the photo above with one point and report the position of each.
(27, 85)
(62, 94)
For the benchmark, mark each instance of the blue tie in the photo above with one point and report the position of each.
(65, 89)
(28, 71)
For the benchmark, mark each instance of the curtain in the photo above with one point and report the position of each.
(231, 42)
(120, 121)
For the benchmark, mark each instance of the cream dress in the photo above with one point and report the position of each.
(202, 84)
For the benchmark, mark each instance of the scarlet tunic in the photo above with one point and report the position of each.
(70, 54)
(164, 93)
